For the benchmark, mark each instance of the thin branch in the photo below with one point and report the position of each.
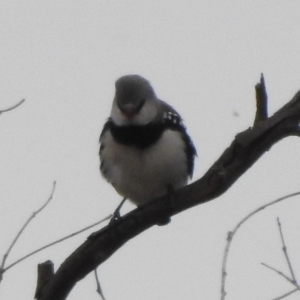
(2, 270)
(284, 249)
(99, 290)
(232, 233)
(286, 295)
(13, 107)
(56, 242)
(288, 279)
(261, 101)
(283, 275)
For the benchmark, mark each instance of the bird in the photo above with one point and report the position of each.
(145, 150)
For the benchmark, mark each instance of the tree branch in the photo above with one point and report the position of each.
(45, 273)
(284, 249)
(247, 147)
(233, 232)
(261, 101)
(33, 215)
(12, 107)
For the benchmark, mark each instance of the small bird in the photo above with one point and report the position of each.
(145, 151)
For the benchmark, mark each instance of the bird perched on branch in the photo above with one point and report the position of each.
(145, 150)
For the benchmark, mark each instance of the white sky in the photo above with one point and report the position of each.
(204, 58)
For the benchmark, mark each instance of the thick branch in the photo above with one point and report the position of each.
(45, 273)
(245, 150)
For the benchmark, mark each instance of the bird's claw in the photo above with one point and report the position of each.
(116, 215)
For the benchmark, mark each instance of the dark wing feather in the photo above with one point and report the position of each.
(102, 146)
(173, 120)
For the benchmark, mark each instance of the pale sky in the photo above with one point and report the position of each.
(202, 57)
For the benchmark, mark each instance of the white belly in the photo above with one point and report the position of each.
(143, 175)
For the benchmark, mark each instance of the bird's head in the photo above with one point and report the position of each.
(135, 101)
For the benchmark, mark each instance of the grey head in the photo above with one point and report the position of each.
(135, 101)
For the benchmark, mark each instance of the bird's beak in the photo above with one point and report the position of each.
(129, 110)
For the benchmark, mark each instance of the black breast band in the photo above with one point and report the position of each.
(140, 136)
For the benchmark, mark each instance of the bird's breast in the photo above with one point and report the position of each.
(142, 174)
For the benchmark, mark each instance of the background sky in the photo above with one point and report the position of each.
(202, 57)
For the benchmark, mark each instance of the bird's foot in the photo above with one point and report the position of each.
(116, 215)
(167, 220)
(164, 221)
(115, 218)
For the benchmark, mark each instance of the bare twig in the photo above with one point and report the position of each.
(13, 107)
(2, 270)
(292, 280)
(284, 249)
(286, 295)
(261, 101)
(281, 274)
(233, 232)
(99, 290)
(56, 242)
